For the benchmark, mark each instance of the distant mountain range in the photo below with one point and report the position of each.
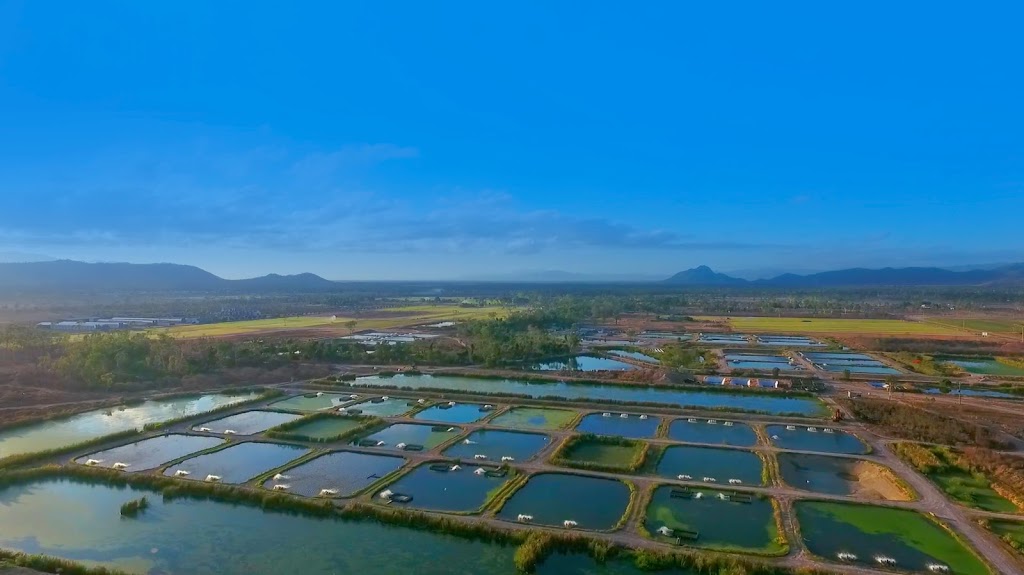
(67, 276)
(72, 276)
(859, 277)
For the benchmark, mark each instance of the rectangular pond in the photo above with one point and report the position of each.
(451, 412)
(618, 424)
(981, 365)
(721, 520)
(327, 428)
(340, 473)
(788, 341)
(723, 339)
(535, 418)
(855, 362)
(409, 436)
(710, 465)
(810, 438)
(721, 432)
(236, 464)
(766, 362)
(874, 536)
(441, 486)
(246, 422)
(97, 423)
(586, 450)
(314, 401)
(80, 522)
(149, 453)
(840, 476)
(385, 406)
(773, 403)
(496, 445)
(634, 355)
(554, 498)
(584, 363)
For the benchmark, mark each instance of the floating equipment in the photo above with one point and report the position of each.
(451, 404)
(812, 429)
(680, 494)
(664, 530)
(624, 415)
(93, 461)
(443, 406)
(479, 456)
(938, 568)
(724, 496)
(698, 495)
(213, 478)
(343, 411)
(775, 437)
(204, 429)
(569, 523)
(229, 432)
(692, 420)
(442, 467)
(328, 492)
(319, 394)
(381, 444)
(377, 400)
(683, 477)
(712, 421)
(119, 465)
(643, 416)
(846, 556)
(439, 428)
(501, 472)
(181, 473)
(421, 401)
(507, 458)
(401, 446)
(450, 429)
(710, 480)
(353, 396)
(468, 442)
(412, 447)
(367, 443)
(687, 534)
(385, 398)
(524, 518)
(606, 414)
(741, 497)
(401, 498)
(735, 482)
(281, 487)
(280, 477)
(456, 467)
(479, 471)
(884, 560)
(829, 430)
(727, 424)
(386, 494)
(790, 428)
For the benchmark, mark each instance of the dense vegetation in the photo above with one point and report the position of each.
(974, 476)
(918, 424)
(134, 507)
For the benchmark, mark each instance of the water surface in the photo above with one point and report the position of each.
(802, 438)
(462, 490)
(316, 401)
(429, 436)
(496, 444)
(720, 523)
(614, 424)
(634, 355)
(702, 463)
(552, 498)
(585, 363)
(247, 422)
(700, 431)
(347, 472)
(92, 424)
(458, 413)
(766, 402)
(153, 452)
(535, 418)
(238, 463)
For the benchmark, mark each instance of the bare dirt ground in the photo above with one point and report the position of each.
(877, 482)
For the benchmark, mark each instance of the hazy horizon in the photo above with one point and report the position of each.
(455, 141)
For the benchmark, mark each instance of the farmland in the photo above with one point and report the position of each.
(836, 326)
(381, 319)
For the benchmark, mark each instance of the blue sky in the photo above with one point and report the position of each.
(430, 140)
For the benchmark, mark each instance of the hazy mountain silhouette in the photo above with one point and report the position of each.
(860, 277)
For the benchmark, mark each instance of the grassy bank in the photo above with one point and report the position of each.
(966, 477)
(601, 453)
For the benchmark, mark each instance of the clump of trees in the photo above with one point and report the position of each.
(910, 422)
(134, 507)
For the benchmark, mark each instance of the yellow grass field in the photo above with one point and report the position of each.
(388, 319)
(836, 326)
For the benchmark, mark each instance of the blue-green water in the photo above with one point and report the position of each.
(247, 422)
(462, 490)
(495, 444)
(766, 402)
(707, 463)
(346, 472)
(552, 498)
(721, 523)
(151, 453)
(802, 439)
(238, 463)
(92, 424)
(614, 424)
(585, 363)
(390, 407)
(315, 401)
(634, 355)
(700, 431)
(458, 413)
(758, 361)
(413, 434)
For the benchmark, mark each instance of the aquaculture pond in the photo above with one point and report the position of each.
(721, 432)
(441, 486)
(855, 362)
(788, 340)
(710, 463)
(316, 401)
(584, 363)
(150, 453)
(972, 393)
(495, 444)
(380, 407)
(92, 424)
(764, 402)
(810, 438)
(455, 412)
(340, 473)
(724, 339)
(982, 365)
(406, 436)
(80, 521)
(713, 518)
(553, 498)
(246, 423)
(535, 418)
(911, 540)
(758, 361)
(237, 463)
(327, 427)
(619, 424)
(586, 451)
(634, 355)
(840, 476)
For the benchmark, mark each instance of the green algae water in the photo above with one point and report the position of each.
(93, 424)
(872, 534)
(719, 519)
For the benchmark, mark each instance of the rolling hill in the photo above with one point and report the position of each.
(859, 277)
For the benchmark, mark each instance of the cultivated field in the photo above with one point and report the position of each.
(380, 319)
(835, 326)
(1007, 327)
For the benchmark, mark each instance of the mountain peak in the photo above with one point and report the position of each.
(703, 275)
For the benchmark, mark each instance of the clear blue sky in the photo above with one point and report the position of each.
(443, 139)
